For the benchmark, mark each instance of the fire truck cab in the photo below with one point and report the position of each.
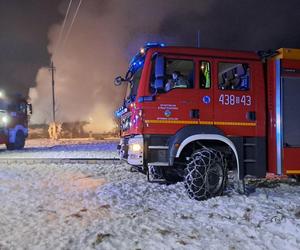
(193, 114)
(14, 117)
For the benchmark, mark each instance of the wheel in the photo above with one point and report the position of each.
(205, 174)
(19, 142)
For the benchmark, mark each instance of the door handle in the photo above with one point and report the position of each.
(251, 116)
(195, 113)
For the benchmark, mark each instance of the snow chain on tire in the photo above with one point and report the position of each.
(206, 174)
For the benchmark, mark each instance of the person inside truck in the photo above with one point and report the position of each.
(177, 81)
(241, 78)
(226, 83)
(245, 78)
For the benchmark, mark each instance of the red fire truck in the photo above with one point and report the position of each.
(14, 116)
(193, 114)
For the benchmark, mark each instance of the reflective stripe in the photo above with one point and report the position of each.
(251, 124)
(247, 124)
(293, 172)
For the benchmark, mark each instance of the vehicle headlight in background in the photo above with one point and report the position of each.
(5, 119)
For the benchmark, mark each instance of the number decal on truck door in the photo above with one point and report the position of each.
(244, 100)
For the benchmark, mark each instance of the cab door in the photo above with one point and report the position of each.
(180, 106)
(239, 109)
(235, 104)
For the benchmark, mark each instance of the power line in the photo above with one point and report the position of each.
(52, 68)
(62, 28)
(72, 23)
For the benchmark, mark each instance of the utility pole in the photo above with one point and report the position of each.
(52, 70)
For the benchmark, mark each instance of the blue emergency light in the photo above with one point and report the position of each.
(138, 60)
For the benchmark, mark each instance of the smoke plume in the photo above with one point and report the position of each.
(103, 38)
(106, 33)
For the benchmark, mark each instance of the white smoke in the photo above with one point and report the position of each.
(104, 36)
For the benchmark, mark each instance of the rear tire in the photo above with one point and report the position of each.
(19, 142)
(205, 174)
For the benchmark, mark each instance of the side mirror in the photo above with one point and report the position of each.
(118, 80)
(159, 72)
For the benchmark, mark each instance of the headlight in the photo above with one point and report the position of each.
(136, 147)
(5, 119)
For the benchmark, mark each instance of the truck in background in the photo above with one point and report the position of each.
(15, 112)
(233, 111)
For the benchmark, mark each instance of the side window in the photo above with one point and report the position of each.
(178, 74)
(234, 76)
(205, 75)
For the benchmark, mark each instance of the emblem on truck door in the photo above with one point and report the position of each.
(168, 113)
(206, 99)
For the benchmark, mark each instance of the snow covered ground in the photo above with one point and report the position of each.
(88, 206)
(72, 148)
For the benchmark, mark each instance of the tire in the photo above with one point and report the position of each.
(19, 142)
(205, 174)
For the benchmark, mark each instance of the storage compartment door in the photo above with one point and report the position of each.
(291, 124)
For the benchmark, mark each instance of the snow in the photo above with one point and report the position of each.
(72, 148)
(107, 206)
(160, 217)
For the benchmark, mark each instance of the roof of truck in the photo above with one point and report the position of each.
(207, 52)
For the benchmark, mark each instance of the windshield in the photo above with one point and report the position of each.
(133, 85)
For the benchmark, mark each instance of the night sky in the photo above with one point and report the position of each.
(235, 24)
(23, 42)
